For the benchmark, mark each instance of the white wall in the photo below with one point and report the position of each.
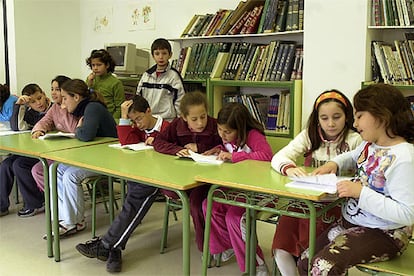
(334, 42)
(2, 61)
(47, 41)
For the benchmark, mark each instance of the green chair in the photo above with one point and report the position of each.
(172, 205)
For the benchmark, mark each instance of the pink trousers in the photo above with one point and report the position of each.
(227, 231)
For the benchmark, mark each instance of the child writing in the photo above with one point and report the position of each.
(57, 118)
(329, 132)
(162, 85)
(29, 108)
(140, 197)
(378, 213)
(243, 138)
(102, 80)
(94, 121)
(195, 131)
(7, 102)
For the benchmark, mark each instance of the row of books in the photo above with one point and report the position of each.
(393, 63)
(392, 12)
(249, 17)
(273, 112)
(276, 61)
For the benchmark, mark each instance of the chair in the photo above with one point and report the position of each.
(172, 205)
(402, 265)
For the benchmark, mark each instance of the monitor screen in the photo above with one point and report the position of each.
(118, 54)
(128, 59)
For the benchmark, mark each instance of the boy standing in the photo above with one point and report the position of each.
(161, 85)
(139, 198)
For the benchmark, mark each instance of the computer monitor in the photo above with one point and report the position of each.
(128, 59)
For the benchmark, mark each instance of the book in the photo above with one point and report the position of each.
(270, 17)
(134, 147)
(281, 16)
(320, 183)
(189, 26)
(204, 159)
(272, 112)
(219, 64)
(59, 134)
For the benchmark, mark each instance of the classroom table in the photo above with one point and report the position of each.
(254, 185)
(23, 144)
(147, 166)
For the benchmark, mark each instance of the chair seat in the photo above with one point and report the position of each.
(402, 265)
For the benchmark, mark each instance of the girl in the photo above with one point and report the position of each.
(94, 121)
(7, 102)
(329, 133)
(29, 108)
(102, 80)
(243, 138)
(57, 118)
(378, 213)
(195, 131)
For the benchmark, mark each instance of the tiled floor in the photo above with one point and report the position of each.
(23, 251)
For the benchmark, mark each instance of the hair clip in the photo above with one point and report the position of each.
(91, 90)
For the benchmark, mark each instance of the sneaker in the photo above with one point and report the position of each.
(4, 213)
(67, 230)
(114, 263)
(261, 270)
(93, 249)
(227, 255)
(25, 213)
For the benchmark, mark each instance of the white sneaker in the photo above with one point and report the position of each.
(227, 255)
(261, 270)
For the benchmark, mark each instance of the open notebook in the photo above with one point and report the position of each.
(57, 135)
(205, 159)
(136, 147)
(321, 183)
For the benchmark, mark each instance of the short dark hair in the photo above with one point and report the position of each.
(139, 104)
(60, 79)
(4, 94)
(160, 44)
(104, 57)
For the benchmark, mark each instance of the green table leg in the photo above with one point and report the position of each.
(47, 208)
(186, 231)
(55, 219)
(206, 245)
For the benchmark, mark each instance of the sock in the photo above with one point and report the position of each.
(285, 262)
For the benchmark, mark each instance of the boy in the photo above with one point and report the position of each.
(161, 85)
(139, 198)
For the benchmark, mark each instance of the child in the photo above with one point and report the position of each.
(7, 102)
(139, 198)
(102, 80)
(94, 121)
(243, 138)
(329, 133)
(57, 118)
(29, 108)
(378, 213)
(162, 85)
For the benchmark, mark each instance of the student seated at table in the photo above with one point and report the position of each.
(140, 197)
(7, 102)
(243, 139)
(378, 213)
(329, 132)
(195, 131)
(94, 121)
(57, 118)
(29, 108)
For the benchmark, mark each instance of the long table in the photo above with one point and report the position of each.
(254, 185)
(23, 144)
(147, 167)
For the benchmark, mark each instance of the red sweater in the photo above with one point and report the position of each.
(177, 135)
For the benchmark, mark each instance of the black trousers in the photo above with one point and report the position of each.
(19, 167)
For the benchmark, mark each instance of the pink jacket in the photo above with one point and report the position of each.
(57, 118)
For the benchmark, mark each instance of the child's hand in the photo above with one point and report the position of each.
(23, 100)
(124, 109)
(80, 122)
(91, 77)
(37, 134)
(192, 147)
(347, 188)
(149, 141)
(183, 153)
(225, 156)
(213, 151)
(329, 167)
(296, 172)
